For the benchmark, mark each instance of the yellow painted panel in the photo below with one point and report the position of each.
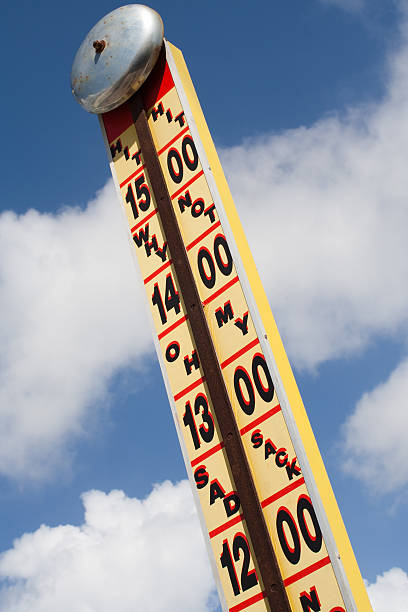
(286, 375)
(243, 366)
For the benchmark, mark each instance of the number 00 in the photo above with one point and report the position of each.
(292, 549)
(244, 389)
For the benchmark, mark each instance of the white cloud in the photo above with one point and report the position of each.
(128, 555)
(131, 554)
(375, 435)
(389, 593)
(72, 314)
(326, 212)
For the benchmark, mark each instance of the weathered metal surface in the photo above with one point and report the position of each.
(116, 57)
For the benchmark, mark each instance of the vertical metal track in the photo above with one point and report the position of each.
(265, 559)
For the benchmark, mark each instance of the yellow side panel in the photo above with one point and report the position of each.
(285, 371)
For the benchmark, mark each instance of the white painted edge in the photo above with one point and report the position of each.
(266, 348)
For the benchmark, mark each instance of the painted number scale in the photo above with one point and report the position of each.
(290, 516)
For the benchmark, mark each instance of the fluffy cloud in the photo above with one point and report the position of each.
(325, 208)
(129, 554)
(376, 434)
(389, 591)
(326, 211)
(71, 316)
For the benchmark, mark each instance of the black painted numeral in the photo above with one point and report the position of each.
(244, 389)
(206, 265)
(130, 199)
(248, 578)
(142, 191)
(206, 429)
(175, 161)
(171, 299)
(142, 199)
(313, 541)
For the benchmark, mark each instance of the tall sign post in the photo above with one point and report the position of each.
(273, 529)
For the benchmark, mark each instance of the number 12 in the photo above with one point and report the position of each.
(248, 579)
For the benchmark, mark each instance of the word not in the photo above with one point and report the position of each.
(197, 207)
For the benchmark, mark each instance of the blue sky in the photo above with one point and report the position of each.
(308, 106)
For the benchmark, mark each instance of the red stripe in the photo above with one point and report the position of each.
(227, 525)
(190, 388)
(282, 492)
(170, 329)
(172, 140)
(208, 453)
(224, 288)
(129, 178)
(260, 419)
(144, 220)
(163, 267)
(235, 356)
(307, 571)
(203, 235)
(195, 177)
(248, 602)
